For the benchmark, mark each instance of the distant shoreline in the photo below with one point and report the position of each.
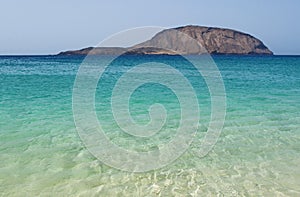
(213, 55)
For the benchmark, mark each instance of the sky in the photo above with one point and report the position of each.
(48, 27)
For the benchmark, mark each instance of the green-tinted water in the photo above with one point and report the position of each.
(258, 152)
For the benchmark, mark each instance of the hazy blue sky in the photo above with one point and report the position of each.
(47, 27)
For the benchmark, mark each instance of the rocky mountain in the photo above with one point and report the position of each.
(184, 41)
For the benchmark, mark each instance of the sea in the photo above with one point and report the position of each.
(43, 151)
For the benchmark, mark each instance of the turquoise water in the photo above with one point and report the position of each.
(257, 154)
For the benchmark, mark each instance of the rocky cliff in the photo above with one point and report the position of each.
(182, 40)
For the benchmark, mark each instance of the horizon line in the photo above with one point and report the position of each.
(24, 55)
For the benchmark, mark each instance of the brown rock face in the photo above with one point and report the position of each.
(212, 40)
(188, 40)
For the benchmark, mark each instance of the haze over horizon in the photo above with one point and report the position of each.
(35, 27)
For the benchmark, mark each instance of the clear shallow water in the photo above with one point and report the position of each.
(258, 152)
